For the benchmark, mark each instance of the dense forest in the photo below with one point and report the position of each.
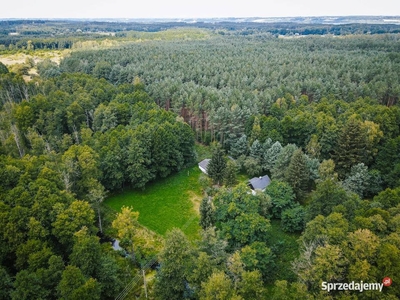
(66, 34)
(215, 82)
(319, 114)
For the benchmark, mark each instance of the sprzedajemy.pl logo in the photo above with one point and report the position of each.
(356, 286)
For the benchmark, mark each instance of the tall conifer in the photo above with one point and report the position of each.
(351, 147)
(217, 165)
(298, 174)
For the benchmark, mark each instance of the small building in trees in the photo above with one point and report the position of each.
(203, 165)
(259, 183)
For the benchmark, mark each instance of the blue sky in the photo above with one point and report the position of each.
(193, 9)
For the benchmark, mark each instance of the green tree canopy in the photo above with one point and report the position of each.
(217, 165)
(175, 266)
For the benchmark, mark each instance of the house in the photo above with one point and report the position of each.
(203, 165)
(259, 183)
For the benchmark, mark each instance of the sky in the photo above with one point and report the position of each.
(194, 9)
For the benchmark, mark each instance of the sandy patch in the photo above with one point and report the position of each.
(20, 58)
(27, 78)
(13, 59)
(33, 72)
(196, 200)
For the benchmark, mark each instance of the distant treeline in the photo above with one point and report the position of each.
(40, 34)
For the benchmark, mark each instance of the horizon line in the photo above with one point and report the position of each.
(205, 18)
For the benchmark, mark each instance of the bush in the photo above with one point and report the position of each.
(253, 167)
(282, 197)
(205, 181)
(293, 219)
(3, 68)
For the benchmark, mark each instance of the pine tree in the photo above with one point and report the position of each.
(206, 213)
(217, 165)
(298, 174)
(351, 147)
(257, 150)
(282, 162)
(358, 180)
(271, 155)
(256, 130)
(267, 144)
(230, 173)
(240, 147)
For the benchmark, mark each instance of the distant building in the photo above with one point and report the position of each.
(203, 165)
(259, 183)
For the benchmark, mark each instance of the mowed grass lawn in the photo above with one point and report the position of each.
(166, 203)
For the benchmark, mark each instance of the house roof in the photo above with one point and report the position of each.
(259, 183)
(204, 163)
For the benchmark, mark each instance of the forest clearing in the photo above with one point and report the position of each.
(214, 159)
(166, 204)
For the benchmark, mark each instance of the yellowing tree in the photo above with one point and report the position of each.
(126, 225)
(373, 136)
(218, 287)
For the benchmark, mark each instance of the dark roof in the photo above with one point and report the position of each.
(259, 183)
(204, 163)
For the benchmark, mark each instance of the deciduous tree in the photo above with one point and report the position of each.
(175, 266)
(218, 287)
(71, 220)
(126, 224)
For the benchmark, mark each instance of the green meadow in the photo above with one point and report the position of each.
(167, 203)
